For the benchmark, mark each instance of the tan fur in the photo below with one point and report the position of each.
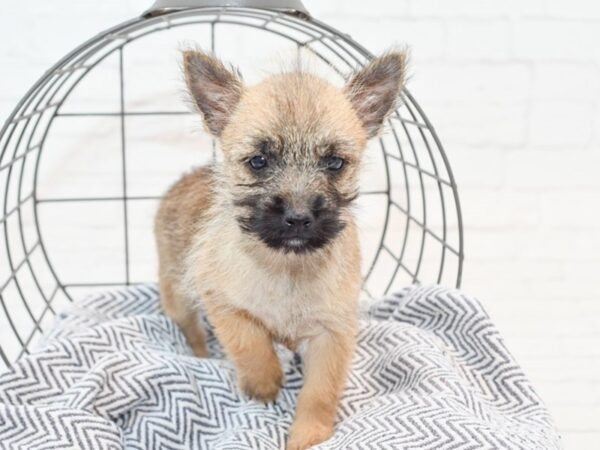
(174, 233)
(254, 295)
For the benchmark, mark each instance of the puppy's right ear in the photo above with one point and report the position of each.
(215, 89)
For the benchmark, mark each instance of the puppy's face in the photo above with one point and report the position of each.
(292, 152)
(293, 144)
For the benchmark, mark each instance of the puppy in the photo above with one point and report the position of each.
(266, 239)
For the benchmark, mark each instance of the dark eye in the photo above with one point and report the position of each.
(258, 162)
(334, 163)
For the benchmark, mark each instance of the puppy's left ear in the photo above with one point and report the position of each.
(215, 89)
(375, 89)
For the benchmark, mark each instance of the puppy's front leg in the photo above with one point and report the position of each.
(326, 364)
(250, 345)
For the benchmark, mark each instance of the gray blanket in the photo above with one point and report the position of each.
(430, 372)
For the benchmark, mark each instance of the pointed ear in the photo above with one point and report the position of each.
(214, 88)
(374, 90)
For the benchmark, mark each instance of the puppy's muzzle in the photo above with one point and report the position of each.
(284, 226)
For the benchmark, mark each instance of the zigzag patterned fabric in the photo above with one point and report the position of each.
(430, 372)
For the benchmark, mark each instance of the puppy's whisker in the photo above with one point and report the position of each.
(251, 185)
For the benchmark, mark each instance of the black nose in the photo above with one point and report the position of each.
(298, 222)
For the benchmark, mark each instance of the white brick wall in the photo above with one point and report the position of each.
(513, 89)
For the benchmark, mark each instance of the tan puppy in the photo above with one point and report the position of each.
(265, 239)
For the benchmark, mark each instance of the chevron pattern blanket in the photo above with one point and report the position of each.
(430, 372)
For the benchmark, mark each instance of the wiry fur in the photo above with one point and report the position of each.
(221, 237)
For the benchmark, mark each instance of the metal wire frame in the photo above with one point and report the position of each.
(34, 115)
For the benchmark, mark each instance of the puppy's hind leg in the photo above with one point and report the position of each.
(178, 309)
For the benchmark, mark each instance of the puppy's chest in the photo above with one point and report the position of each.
(289, 307)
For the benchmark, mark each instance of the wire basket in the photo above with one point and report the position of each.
(88, 151)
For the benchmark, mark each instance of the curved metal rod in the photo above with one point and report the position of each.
(27, 252)
(43, 141)
(423, 202)
(461, 254)
(161, 7)
(42, 94)
(441, 192)
(408, 209)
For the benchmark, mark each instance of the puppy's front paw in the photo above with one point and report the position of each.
(305, 435)
(263, 385)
